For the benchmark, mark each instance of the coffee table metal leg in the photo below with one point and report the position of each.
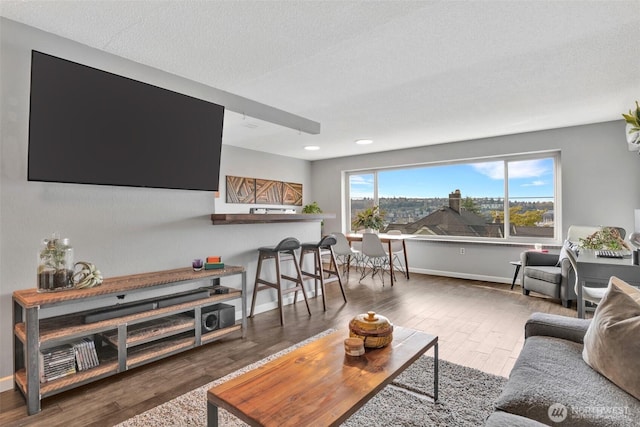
(212, 415)
(435, 372)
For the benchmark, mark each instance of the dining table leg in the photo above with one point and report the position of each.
(391, 272)
(406, 261)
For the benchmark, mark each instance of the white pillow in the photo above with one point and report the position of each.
(568, 245)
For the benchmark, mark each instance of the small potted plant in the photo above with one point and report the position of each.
(312, 208)
(608, 238)
(633, 128)
(369, 219)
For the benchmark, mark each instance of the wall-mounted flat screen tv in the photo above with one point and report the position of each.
(89, 126)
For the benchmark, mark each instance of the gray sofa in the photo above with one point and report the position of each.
(551, 384)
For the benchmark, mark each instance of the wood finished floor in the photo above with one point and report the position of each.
(479, 324)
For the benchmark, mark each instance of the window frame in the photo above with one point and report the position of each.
(506, 159)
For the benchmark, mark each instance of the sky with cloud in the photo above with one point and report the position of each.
(528, 179)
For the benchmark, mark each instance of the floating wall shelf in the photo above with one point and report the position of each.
(219, 219)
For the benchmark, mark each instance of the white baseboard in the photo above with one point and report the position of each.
(458, 275)
(273, 305)
(6, 383)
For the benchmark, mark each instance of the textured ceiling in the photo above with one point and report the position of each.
(403, 73)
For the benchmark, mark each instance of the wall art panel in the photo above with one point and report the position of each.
(241, 190)
(245, 190)
(268, 192)
(292, 194)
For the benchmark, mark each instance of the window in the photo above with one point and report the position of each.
(362, 190)
(499, 198)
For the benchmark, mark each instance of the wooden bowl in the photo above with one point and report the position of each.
(354, 346)
(375, 330)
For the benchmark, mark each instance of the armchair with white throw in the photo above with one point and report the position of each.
(551, 274)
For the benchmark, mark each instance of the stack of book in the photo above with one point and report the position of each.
(85, 354)
(213, 262)
(57, 362)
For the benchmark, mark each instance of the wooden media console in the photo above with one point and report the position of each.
(122, 342)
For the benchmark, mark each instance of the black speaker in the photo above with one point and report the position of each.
(217, 316)
(226, 316)
(209, 321)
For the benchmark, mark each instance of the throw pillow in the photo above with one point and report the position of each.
(612, 341)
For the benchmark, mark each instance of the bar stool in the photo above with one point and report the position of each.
(286, 247)
(323, 247)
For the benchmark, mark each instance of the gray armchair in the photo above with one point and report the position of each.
(541, 273)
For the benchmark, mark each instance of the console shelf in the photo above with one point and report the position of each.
(123, 342)
(152, 330)
(66, 383)
(158, 349)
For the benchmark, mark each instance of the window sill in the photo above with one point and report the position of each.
(450, 240)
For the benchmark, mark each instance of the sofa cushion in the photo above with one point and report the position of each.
(544, 273)
(550, 377)
(612, 342)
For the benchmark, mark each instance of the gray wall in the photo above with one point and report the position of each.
(599, 186)
(122, 230)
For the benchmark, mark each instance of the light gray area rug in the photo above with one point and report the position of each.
(466, 398)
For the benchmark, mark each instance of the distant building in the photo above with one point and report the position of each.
(452, 220)
(548, 219)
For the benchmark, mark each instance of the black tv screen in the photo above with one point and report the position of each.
(89, 126)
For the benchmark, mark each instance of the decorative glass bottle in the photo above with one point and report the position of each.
(55, 265)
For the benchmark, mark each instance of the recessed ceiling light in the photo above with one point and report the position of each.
(364, 141)
(312, 147)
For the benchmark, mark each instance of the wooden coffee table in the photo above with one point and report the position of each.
(318, 384)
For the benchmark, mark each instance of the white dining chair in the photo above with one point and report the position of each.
(397, 252)
(585, 293)
(374, 256)
(345, 254)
